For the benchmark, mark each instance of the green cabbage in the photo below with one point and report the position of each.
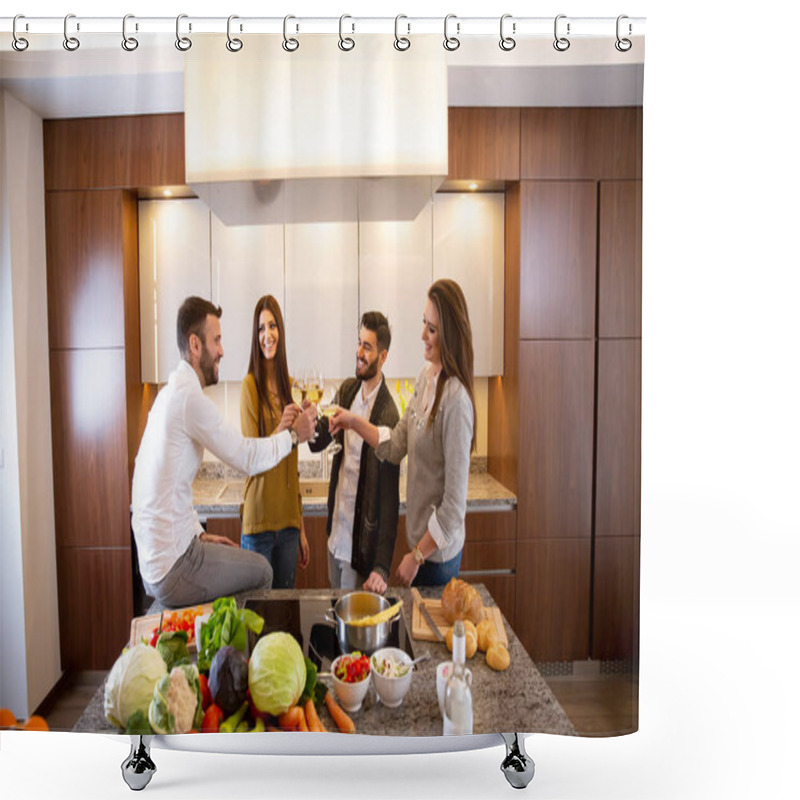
(129, 687)
(277, 673)
(176, 705)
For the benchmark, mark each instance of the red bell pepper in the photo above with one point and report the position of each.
(212, 719)
(205, 693)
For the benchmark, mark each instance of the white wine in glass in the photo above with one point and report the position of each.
(328, 409)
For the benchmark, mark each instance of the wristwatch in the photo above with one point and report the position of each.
(418, 557)
(293, 434)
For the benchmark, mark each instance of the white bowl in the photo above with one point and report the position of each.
(391, 691)
(350, 695)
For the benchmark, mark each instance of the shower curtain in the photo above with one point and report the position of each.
(342, 172)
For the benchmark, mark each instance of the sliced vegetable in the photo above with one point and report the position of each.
(352, 668)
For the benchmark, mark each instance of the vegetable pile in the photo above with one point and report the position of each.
(156, 689)
(352, 668)
(177, 621)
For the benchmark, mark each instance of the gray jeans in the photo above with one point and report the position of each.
(207, 571)
(342, 575)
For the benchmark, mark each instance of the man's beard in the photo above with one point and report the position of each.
(210, 376)
(370, 371)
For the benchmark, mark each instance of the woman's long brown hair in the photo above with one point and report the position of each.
(455, 343)
(258, 365)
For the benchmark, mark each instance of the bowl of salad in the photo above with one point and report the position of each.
(391, 671)
(351, 675)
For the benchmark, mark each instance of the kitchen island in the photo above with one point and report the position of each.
(515, 700)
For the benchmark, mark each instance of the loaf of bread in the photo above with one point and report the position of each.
(497, 657)
(461, 601)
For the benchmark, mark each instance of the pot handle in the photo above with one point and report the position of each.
(330, 617)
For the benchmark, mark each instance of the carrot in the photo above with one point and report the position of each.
(302, 725)
(339, 717)
(291, 718)
(314, 722)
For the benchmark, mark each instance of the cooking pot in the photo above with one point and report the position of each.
(354, 606)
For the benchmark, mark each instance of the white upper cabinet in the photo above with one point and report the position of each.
(246, 263)
(321, 311)
(469, 247)
(396, 265)
(174, 263)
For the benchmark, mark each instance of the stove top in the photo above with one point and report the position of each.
(305, 619)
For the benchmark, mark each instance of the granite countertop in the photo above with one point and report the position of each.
(218, 490)
(518, 699)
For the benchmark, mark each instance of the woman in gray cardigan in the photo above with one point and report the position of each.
(437, 432)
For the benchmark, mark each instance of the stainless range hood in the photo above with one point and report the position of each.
(261, 117)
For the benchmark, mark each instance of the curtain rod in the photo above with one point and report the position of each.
(507, 26)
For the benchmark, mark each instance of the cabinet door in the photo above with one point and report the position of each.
(558, 259)
(483, 143)
(246, 263)
(619, 304)
(321, 312)
(174, 263)
(469, 247)
(395, 271)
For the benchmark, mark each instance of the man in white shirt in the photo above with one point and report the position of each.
(180, 563)
(363, 496)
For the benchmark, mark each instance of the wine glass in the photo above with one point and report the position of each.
(328, 409)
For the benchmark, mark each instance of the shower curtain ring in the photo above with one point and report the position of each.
(561, 43)
(17, 42)
(233, 44)
(451, 42)
(507, 42)
(345, 42)
(289, 44)
(401, 42)
(183, 43)
(71, 43)
(129, 43)
(623, 45)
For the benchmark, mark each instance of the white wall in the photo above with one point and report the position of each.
(30, 661)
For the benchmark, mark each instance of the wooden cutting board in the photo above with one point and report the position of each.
(421, 630)
(143, 626)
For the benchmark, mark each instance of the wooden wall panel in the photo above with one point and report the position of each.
(315, 575)
(557, 427)
(483, 144)
(482, 556)
(581, 143)
(615, 618)
(503, 433)
(558, 273)
(490, 526)
(619, 440)
(114, 152)
(552, 598)
(85, 284)
(229, 527)
(620, 259)
(95, 605)
(90, 447)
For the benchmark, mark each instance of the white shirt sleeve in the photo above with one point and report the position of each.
(204, 424)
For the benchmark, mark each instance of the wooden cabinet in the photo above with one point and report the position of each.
(558, 272)
(468, 246)
(395, 270)
(321, 271)
(315, 575)
(619, 424)
(553, 598)
(246, 263)
(84, 269)
(174, 263)
(581, 143)
(95, 605)
(557, 427)
(619, 302)
(229, 527)
(615, 606)
(483, 144)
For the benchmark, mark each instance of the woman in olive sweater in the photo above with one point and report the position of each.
(437, 432)
(272, 515)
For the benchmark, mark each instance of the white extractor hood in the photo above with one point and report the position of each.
(262, 116)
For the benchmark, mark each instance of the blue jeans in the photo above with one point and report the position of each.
(433, 574)
(280, 549)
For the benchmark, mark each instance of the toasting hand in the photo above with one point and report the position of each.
(342, 420)
(290, 413)
(305, 424)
